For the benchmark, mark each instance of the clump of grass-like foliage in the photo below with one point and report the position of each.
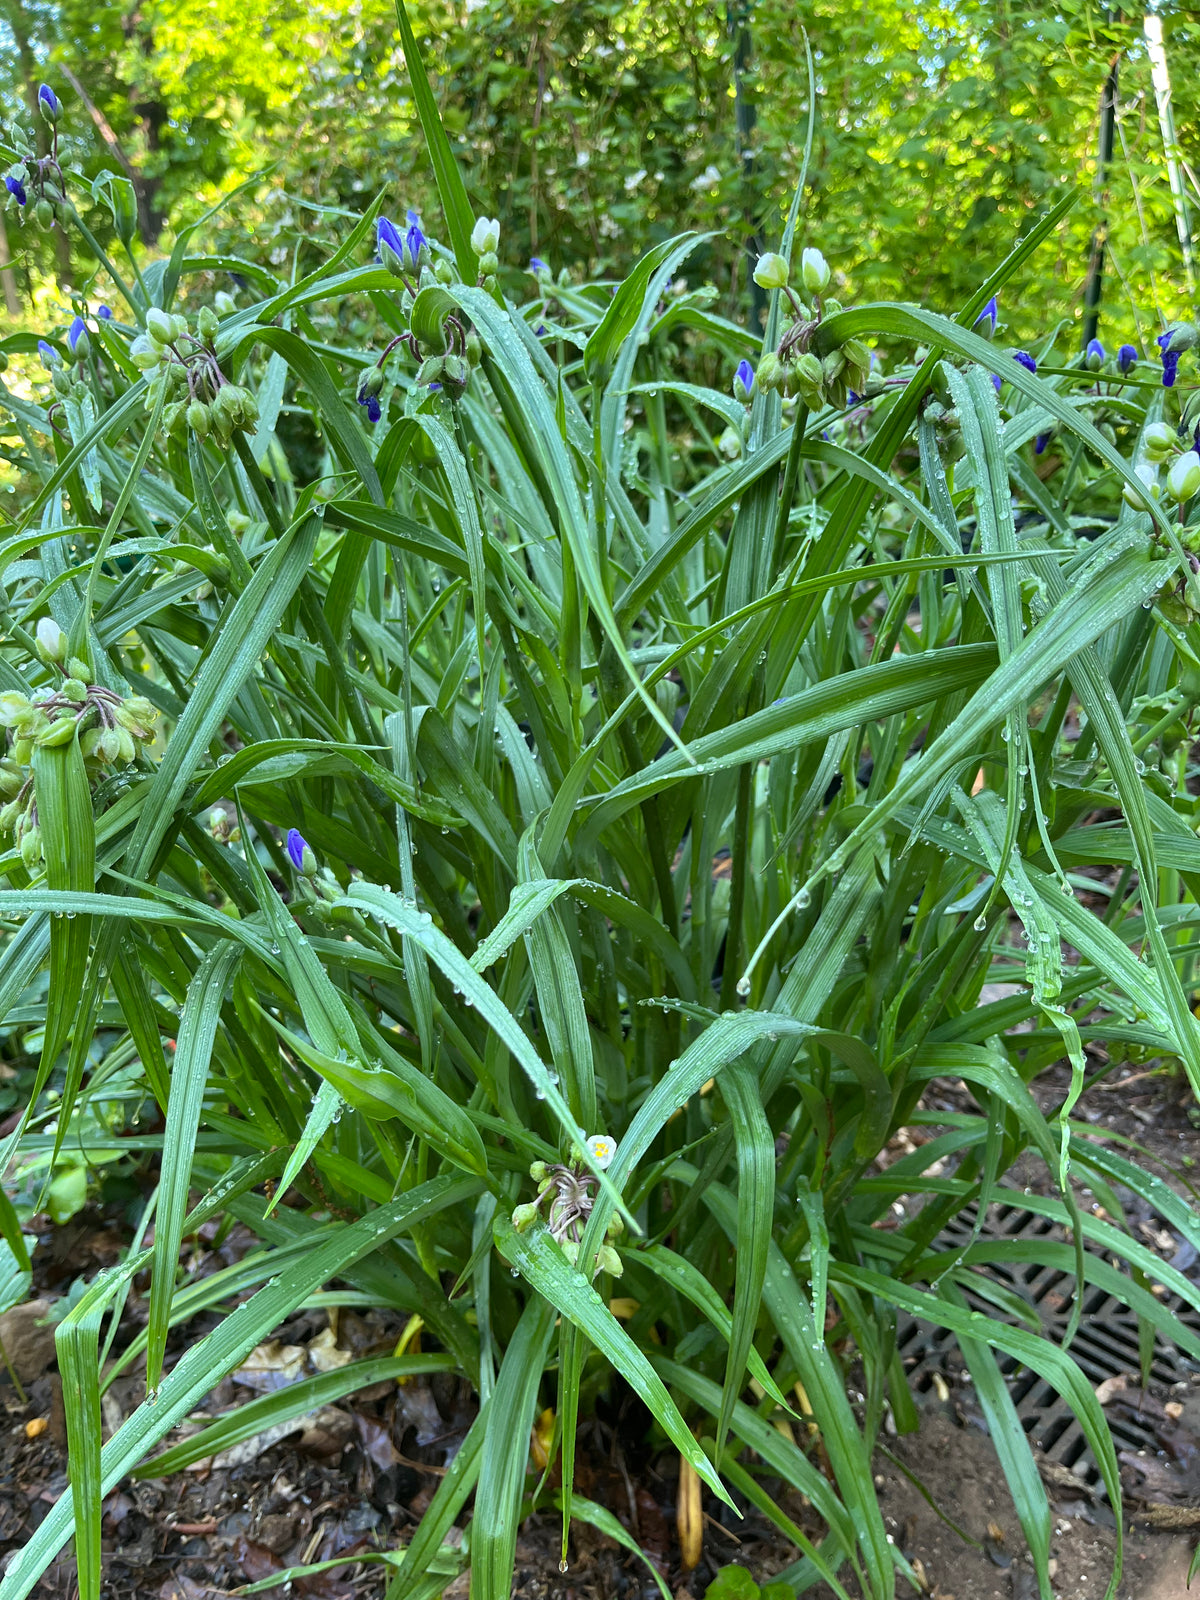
(392, 800)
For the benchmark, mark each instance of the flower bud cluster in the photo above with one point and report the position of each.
(1162, 446)
(183, 370)
(34, 186)
(446, 368)
(570, 1193)
(109, 727)
(794, 369)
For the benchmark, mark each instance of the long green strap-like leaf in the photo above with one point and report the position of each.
(197, 1030)
(452, 191)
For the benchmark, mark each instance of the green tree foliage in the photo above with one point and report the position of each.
(603, 127)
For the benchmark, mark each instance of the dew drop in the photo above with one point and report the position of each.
(743, 987)
(562, 1566)
(980, 923)
(803, 898)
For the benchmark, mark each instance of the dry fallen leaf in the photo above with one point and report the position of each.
(323, 1353)
(271, 1366)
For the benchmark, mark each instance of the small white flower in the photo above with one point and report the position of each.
(52, 642)
(1183, 479)
(1149, 476)
(634, 178)
(602, 1149)
(485, 236)
(814, 270)
(708, 179)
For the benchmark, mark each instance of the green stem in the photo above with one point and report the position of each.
(97, 250)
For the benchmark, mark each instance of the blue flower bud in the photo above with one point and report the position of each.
(413, 218)
(414, 243)
(1126, 358)
(374, 410)
(296, 847)
(48, 103)
(537, 266)
(390, 245)
(743, 380)
(1093, 356)
(1040, 443)
(104, 313)
(78, 342)
(17, 189)
(1170, 363)
(1024, 359)
(50, 356)
(996, 382)
(988, 315)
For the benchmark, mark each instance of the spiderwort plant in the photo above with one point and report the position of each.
(572, 710)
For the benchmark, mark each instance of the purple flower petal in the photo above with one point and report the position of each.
(1024, 359)
(296, 846)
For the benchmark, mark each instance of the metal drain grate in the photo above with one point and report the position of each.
(1105, 1345)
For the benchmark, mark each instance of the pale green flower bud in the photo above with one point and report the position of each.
(72, 688)
(12, 779)
(538, 1171)
(814, 271)
(856, 353)
(610, 1261)
(771, 271)
(489, 262)
(31, 846)
(144, 354)
(126, 749)
(1159, 440)
(198, 419)
(524, 1217)
(1183, 478)
(160, 326)
(207, 323)
(770, 372)
(571, 1250)
(57, 733)
(77, 667)
(443, 272)
(14, 708)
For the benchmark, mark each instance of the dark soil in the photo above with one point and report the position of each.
(353, 1479)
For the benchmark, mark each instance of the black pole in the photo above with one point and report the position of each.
(1095, 280)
